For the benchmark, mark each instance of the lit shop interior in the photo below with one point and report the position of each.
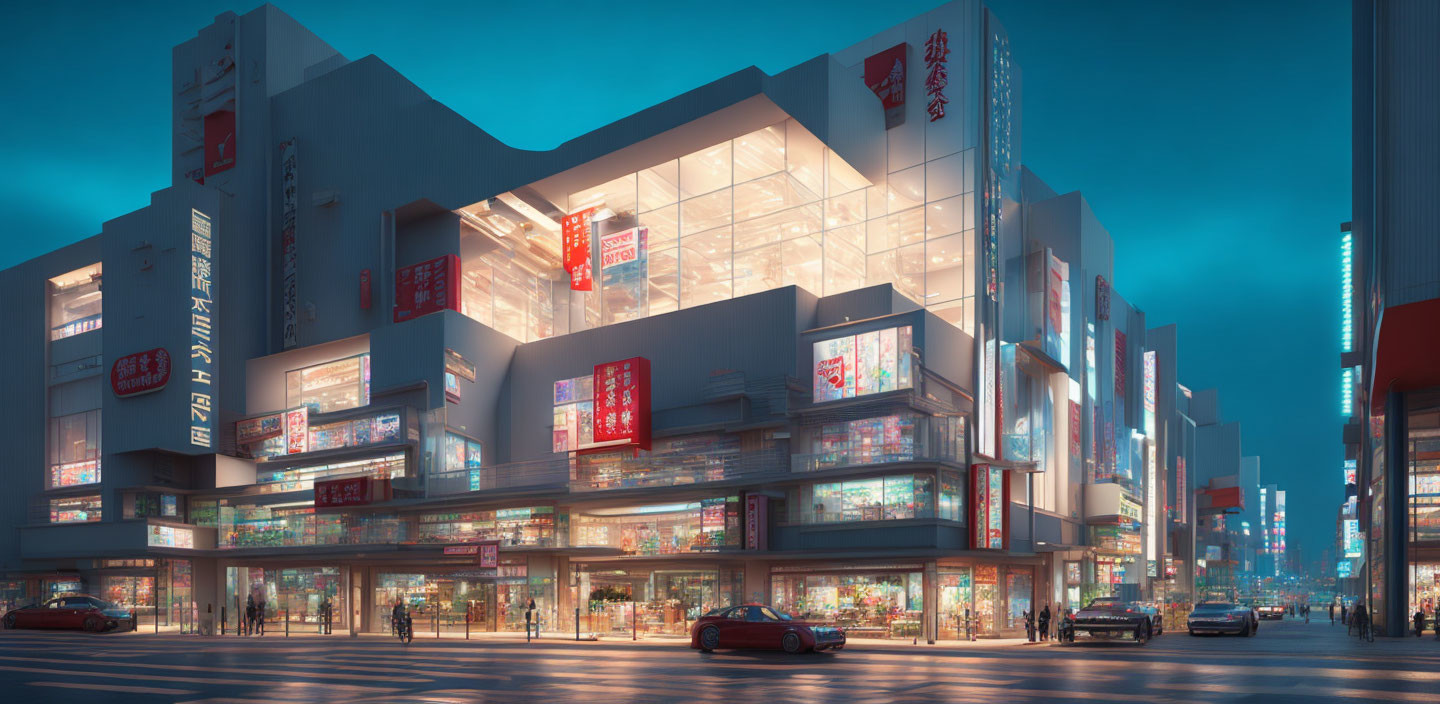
(771, 208)
(75, 302)
(494, 599)
(160, 593)
(867, 603)
(658, 600)
(296, 593)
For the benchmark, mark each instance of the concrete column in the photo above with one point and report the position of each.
(931, 601)
(1397, 500)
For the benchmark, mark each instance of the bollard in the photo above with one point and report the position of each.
(467, 624)
(287, 622)
(577, 624)
(437, 620)
(634, 632)
(527, 625)
(222, 619)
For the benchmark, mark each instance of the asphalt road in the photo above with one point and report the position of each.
(1286, 661)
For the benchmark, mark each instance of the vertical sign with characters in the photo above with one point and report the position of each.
(575, 241)
(289, 205)
(622, 403)
(202, 322)
(937, 49)
(885, 75)
(427, 287)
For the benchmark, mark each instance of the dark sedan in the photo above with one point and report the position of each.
(1111, 618)
(1222, 617)
(761, 627)
(71, 612)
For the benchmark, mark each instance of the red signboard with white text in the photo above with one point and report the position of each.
(140, 373)
(575, 242)
(990, 508)
(352, 491)
(622, 403)
(757, 522)
(427, 287)
(885, 75)
(219, 142)
(489, 555)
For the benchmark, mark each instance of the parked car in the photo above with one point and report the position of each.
(1222, 617)
(1271, 612)
(761, 627)
(74, 612)
(1112, 618)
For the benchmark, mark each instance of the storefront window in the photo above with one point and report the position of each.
(462, 454)
(859, 365)
(290, 432)
(75, 509)
(877, 499)
(293, 526)
(877, 605)
(664, 601)
(293, 592)
(331, 386)
(150, 504)
(698, 526)
(682, 460)
(74, 449)
(493, 600)
(955, 594)
(529, 526)
(952, 496)
(303, 478)
(75, 299)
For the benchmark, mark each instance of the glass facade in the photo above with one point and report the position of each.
(492, 599)
(574, 413)
(869, 605)
(535, 526)
(75, 509)
(679, 460)
(660, 601)
(74, 449)
(75, 302)
(293, 592)
(884, 439)
(895, 497)
(664, 529)
(331, 386)
(302, 478)
(294, 526)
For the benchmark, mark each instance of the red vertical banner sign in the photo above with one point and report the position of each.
(757, 522)
(427, 287)
(365, 289)
(622, 403)
(979, 504)
(575, 242)
(885, 75)
(1075, 432)
(488, 556)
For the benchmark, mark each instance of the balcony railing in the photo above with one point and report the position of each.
(608, 472)
(553, 472)
(925, 439)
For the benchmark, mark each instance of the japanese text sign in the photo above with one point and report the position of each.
(202, 354)
(575, 241)
(622, 402)
(427, 287)
(937, 49)
(140, 373)
(885, 75)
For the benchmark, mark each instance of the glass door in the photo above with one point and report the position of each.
(956, 610)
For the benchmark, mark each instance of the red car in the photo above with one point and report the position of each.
(761, 627)
(77, 612)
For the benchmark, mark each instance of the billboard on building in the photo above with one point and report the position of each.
(858, 365)
(1354, 542)
(202, 333)
(289, 209)
(140, 373)
(990, 506)
(575, 248)
(219, 142)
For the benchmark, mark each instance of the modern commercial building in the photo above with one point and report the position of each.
(817, 339)
(1390, 304)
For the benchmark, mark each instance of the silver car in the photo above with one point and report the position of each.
(1222, 617)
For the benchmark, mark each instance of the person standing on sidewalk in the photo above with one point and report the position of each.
(249, 614)
(1419, 623)
(260, 617)
(1332, 613)
(1045, 624)
(1344, 615)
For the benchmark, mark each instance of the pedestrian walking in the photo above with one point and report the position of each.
(1306, 610)
(1344, 615)
(260, 617)
(249, 614)
(1045, 624)
(1332, 613)
(1419, 623)
(325, 608)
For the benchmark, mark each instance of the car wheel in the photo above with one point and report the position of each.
(11, 621)
(791, 643)
(1142, 634)
(93, 624)
(709, 639)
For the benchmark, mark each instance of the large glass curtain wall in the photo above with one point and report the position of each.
(771, 208)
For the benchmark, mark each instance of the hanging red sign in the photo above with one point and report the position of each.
(489, 555)
(575, 241)
(297, 431)
(140, 373)
(622, 403)
(757, 522)
(219, 142)
(885, 75)
(937, 48)
(427, 287)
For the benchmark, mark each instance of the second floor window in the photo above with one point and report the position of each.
(74, 449)
(331, 386)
